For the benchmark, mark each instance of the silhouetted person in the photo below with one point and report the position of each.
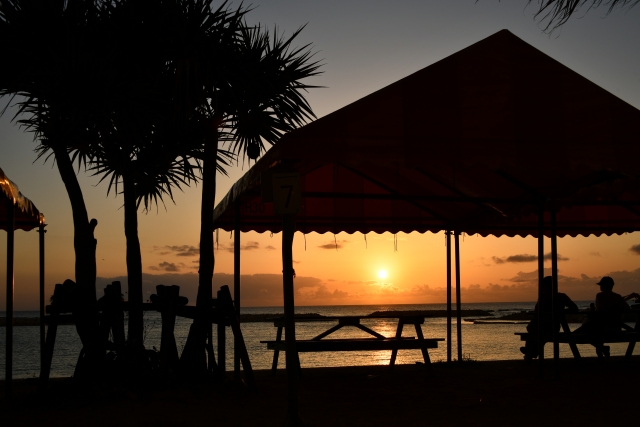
(544, 307)
(605, 316)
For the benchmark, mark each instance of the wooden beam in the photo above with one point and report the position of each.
(540, 280)
(458, 302)
(288, 229)
(362, 344)
(9, 302)
(554, 300)
(41, 232)
(448, 244)
(236, 287)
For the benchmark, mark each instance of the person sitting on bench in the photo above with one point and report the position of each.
(547, 326)
(605, 316)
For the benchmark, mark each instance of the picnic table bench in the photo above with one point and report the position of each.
(376, 343)
(627, 334)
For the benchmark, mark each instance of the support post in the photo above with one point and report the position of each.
(540, 279)
(448, 243)
(9, 302)
(554, 295)
(167, 300)
(236, 287)
(458, 303)
(52, 331)
(222, 344)
(41, 232)
(288, 229)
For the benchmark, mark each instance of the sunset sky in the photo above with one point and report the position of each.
(365, 45)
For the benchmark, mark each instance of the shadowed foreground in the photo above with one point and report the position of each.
(503, 393)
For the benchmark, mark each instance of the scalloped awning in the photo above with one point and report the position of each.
(27, 216)
(475, 142)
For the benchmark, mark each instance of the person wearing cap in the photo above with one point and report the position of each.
(605, 316)
(543, 306)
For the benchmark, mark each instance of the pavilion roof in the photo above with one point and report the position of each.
(27, 215)
(475, 142)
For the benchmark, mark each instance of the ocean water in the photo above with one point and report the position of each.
(479, 341)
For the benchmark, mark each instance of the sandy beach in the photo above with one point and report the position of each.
(495, 393)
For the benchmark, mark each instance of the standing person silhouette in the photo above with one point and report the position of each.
(544, 307)
(605, 316)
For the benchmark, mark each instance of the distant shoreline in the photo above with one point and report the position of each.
(270, 317)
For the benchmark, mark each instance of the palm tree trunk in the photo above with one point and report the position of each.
(134, 263)
(193, 359)
(84, 243)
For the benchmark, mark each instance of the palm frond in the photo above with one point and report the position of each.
(556, 13)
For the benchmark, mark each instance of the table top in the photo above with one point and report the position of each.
(334, 318)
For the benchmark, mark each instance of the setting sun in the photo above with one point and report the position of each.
(382, 274)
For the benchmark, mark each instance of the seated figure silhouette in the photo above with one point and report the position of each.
(605, 316)
(546, 321)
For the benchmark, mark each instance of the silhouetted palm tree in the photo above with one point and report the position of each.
(257, 101)
(150, 135)
(51, 67)
(557, 12)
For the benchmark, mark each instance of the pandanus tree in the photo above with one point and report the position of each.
(50, 70)
(145, 164)
(256, 100)
(144, 90)
(149, 134)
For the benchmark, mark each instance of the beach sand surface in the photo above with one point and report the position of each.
(494, 393)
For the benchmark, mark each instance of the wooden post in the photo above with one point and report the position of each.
(117, 316)
(394, 352)
(448, 243)
(222, 343)
(458, 303)
(276, 353)
(540, 280)
(226, 305)
(104, 318)
(288, 229)
(167, 300)
(236, 287)
(554, 298)
(51, 336)
(9, 303)
(41, 232)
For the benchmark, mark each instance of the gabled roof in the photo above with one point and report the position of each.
(473, 142)
(27, 215)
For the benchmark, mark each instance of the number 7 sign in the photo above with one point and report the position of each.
(286, 193)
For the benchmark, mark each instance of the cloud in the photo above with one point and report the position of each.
(635, 249)
(270, 248)
(321, 292)
(580, 288)
(265, 290)
(249, 246)
(166, 266)
(515, 258)
(597, 254)
(362, 282)
(179, 250)
(336, 244)
(261, 290)
(525, 258)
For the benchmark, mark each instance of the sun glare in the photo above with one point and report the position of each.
(382, 274)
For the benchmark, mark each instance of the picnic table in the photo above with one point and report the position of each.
(376, 342)
(627, 334)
